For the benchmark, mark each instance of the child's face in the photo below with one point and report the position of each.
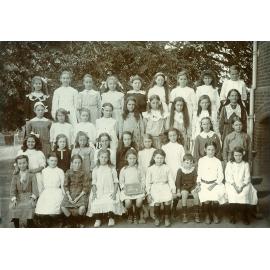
(112, 85)
(182, 80)
(179, 106)
(61, 118)
(147, 143)
(210, 151)
(30, 143)
(137, 85)
(234, 74)
(52, 162)
(61, 143)
(88, 83)
(159, 159)
(131, 106)
(159, 81)
(233, 97)
(107, 111)
(154, 104)
(237, 126)
(127, 140)
(105, 142)
(172, 135)
(82, 141)
(204, 103)
(76, 164)
(103, 159)
(22, 164)
(238, 157)
(131, 159)
(39, 110)
(187, 164)
(65, 79)
(84, 117)
(206, 125)
(37, 85)
(207, 80)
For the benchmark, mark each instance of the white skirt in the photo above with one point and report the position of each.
(247, 196)
(123, 196)
(49, 202)
(218, 193)
(160, 193)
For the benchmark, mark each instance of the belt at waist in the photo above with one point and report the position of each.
(209, 182)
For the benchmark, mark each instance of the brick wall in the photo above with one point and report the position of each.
(262, 111)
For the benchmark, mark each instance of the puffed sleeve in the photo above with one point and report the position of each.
(229, 178)
(114, 175)
(35, 192)
(148, 180)
(171, 181)
(220, 175)
(41, 159)
(122, 178)
(55, 102)
(247, 174)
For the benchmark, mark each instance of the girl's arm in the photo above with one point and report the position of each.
(148, 181)
(199, 177)
(41, 161)
(117, 128)
(92, 161)
(193, 100)
(196, 150)
(55, 102)
(62, 180)
(244, 91)
(121, 128)
(145, 123)
(13, 188)
(71, 137)
(220, 175)
(99, 105)
(217, 99)
(52, 134)
(229, 178)
(219, 153)
(35, 192)
(171, 181)
(247, 178)
(79, 102)
(122, 178)
(225, 149)
(141, 125)
(178, 180)
(223, 92)
(75, 103)
(66, 183)
(222, 120)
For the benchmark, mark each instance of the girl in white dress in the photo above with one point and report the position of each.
(104, 141)
(209, 183)
(105, 195)
(175, 152)
(240, 191)
(115, 97)
(52, 193)
(233, 83)
(107, 124)
(207, 86)
(32, 148)
(132, 185)
(160, 186)
(61, 126)
(85, 126)
(179, 119)
(204, 110)
(90, 99)
(155, 120)
(159, 88)
(187, 93)
(66, 97)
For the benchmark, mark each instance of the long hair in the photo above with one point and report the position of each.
(101, 151)
(182, 73)
(21, 157)
(185, 112)
(58, 137)
(64, 112)
(160, 108)
(146, 136)
(157, 152)
(38, 145)
(199, 110)
(112, 77)
(126, 111)
(87, 111)
(131, 151)
(106, 104)
(79, 134)
(44, 88)
(239, 101)
(153, 83)
(208, 73)
(211, 124)
(103, 135)
(241, 150)
(180, 138)
(121, 143)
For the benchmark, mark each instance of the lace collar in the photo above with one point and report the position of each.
(186, 171)
(230, 110)
(136, 92)
(41, 98)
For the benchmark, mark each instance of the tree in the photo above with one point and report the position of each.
(20, 61)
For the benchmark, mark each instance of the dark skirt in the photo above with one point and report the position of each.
(83, 201)
(24, 209)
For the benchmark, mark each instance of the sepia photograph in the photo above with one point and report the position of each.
(135, 134)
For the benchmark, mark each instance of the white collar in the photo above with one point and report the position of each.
(230, 110)
(210, 134)
(39, 119)
(136, 92)
(187, 171)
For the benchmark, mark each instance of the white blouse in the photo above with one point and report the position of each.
(53, 178)
(115, 98)
(88, 128)
(144, 158)
(62, 128)
(228, 85)
(36, 158)
(237, 173)
(211, 92)
(210, 169)
(159, 91)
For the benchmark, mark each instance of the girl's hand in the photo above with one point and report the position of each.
(197, 188)
(149, 198)
(14, 204)
(113, 196)
(211, 186)
(174, 196)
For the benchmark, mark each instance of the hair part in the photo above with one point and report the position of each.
(126, 111)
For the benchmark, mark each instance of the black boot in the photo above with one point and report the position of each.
(30, 223)
(137, 214)
(197, 213)
(184, 217)
(208, 213)
(245, 217)
(233, 208)
(157, 215)
(174, 208)
(130, 215)
(167, 214)
(215, 210)
(16, 222)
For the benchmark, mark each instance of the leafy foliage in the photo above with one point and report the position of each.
(20, 61)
